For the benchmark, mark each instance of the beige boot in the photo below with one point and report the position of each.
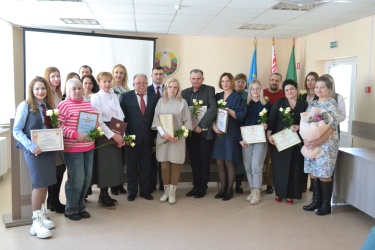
(165, 196)
(248, 198)
(172, 195)
(255, 199)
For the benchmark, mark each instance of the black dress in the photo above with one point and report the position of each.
(287, 165)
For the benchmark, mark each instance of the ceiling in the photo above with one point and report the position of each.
(190, 17)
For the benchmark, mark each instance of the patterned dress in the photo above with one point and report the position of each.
(323, 166)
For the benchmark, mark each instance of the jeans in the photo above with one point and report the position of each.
(79, 166)
(253, 159)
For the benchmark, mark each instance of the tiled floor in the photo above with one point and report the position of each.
(204, 223)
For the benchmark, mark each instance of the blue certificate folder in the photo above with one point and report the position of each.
(86, 122)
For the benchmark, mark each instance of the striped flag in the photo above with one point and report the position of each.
(253, 68)
(274, 62)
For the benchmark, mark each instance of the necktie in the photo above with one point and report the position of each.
(143, 104)
(158, 91)
(47, 120)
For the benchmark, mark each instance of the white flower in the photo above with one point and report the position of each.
(266, 98)
(281, 109)
(132, 144)
(183, 128)
(287, 109)
(101, 133)
(200, 102)
(133, 136)
(264, 110)
(56, 111)
(186, 133)
(194, 100)
(49, 112)
(220, 101)
(261, 113)
(100, 129)
(302, 92)
(224, 103)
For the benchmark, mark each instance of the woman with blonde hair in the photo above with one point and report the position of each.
(120, 79)
(254, 154)
(172, 154)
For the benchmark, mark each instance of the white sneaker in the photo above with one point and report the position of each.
(165, 196)
(255, 199)
(248, 198)
(172, 195)
(38, 229)
(43, 214)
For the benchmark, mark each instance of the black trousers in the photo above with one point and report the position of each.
(200, 151)
(138, 159)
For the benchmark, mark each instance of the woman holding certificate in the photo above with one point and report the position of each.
(320, 169)
(53, 77)
(254, 153)
(108, 168)
(31, 114)
(172, 154)
(78, 153)
(288, 160)
(226, 147)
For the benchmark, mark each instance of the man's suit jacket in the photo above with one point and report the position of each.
(152, 89)
(207, 95)
(138, 124)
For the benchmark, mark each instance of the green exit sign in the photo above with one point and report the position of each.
(334, 44)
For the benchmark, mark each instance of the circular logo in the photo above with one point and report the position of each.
(168, 60)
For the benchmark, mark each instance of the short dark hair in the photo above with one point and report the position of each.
(157, 67)
(85, 66)
(231, 79)
(196, 71)
(240, 76)
(95, 86)
(289, 82)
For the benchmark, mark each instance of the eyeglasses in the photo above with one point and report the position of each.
(140, 83)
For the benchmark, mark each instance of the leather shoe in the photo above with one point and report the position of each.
(191, 193)
(114, 190)
(122, 189)
(199, 194)
(74, 216)
(131, 197)
(269, 190)
(277, 199)
(84, 214)
(148, 197)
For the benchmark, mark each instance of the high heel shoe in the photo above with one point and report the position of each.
(289, 201)
(277, 199)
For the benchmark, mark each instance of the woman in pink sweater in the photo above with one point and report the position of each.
(78, 153)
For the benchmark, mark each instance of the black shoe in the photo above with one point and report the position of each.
(56, 206)
(191, 193)
(161, 187)
(239, 189)
(89, 191)
(228, 195)
(84, 214)
(74, 216)
(115, 191)
(122, 189)
(106, 201)
(147, 197)
(221, 193)
(199, 194)
(131, 197)
(270, 190)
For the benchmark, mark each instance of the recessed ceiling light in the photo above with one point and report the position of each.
(256, 26)
(80, 21)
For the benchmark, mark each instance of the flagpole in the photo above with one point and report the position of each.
(253, 74)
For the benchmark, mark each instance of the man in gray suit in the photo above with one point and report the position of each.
(199, 143)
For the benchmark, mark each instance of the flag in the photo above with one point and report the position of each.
(292, 72)
(253, 68)
(274, 62)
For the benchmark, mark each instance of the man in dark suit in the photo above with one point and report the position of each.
(156, 87)
(138, 106)
(200, 142)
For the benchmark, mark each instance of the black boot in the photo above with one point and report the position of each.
(228, 195)
(317, 196)
(305, 178)
(311, 185)
(239, 189)
(115, 190)
(327, 188)
(53, 201)
(122, 189)
(221, 193)
(105, 200)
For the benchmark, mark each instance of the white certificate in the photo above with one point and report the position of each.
(222, 120)
(285, 139)
(253, 134)
(48, 139)
(201, 112)
(166, 121)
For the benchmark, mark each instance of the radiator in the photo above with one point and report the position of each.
(3, 156)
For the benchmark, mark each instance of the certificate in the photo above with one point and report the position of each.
(201, 112)
(166, 121)
(86, 122)
(48, 139)
(222, 120)
(285, 139)
(253, 134)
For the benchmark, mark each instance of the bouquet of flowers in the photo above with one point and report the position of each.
(221, 104)
(128, 139)
(288, 117)
(182, 132)
(312, 126)
(196, 108)
(263, 116)
(54, 114)
(95, 133)
(302, 94)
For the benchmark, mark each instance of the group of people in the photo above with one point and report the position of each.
(90, 162)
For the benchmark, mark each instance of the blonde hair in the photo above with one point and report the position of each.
(261, 96)
(124, 82)
(165, 92)
(49, 71)
(30, 99)
(103, 74)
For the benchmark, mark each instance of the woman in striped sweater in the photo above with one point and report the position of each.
(78, 153)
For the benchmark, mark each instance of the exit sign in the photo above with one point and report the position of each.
(334, 44)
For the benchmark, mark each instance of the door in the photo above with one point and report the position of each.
(344, 74)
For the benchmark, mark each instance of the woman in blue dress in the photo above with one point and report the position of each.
(226, 146)
(321, 169)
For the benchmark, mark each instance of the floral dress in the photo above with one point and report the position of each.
(323, 166)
